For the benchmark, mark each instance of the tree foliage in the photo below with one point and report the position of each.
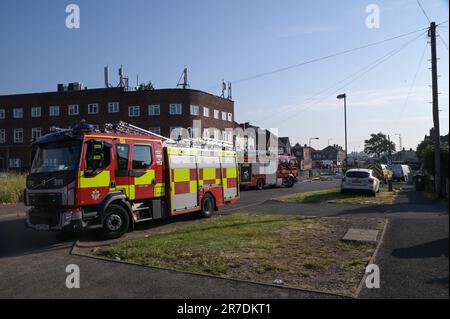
(145, 87)
(378, 145)
(428, 159)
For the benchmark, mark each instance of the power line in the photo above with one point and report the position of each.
(443, 41)
(312, 97)
(387, 57)
(263, 74)
(423, 10)
(413, 82)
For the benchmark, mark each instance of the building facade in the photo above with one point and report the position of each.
(303, 155)
(334, 154)
(24, 117)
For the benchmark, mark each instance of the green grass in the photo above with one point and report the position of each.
(303, 252)
(334, 196)
(11, 188)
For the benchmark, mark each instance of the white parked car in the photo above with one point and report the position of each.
(360, 180)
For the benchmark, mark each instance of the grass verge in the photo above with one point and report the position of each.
(334, 196)
(11, 188)
(302, 252)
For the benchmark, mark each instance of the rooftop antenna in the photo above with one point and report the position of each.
(107, 77)
(183, 82)
(224, 88)
(230, 91)
(121, 77)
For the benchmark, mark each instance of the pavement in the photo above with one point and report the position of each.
(413, 257)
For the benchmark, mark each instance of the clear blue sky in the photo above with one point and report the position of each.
(231, 40)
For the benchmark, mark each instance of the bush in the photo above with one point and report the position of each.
(11, 188)
(428, 160)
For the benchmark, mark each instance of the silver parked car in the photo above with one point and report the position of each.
(360, 180)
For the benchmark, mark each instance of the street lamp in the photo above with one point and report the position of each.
(344, 97)
(312, 138)
(329, 140)
(400, 141)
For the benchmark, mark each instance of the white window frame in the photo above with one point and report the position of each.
(230, 117)
(216, 114)
(73, 109)
(34, 130)
(36, 111)
(176, 109)
(2, 136)
(18, 139)
(18, 113)
(155, 130)
(195, 110)
(93, 108)
(54, 110)
(154, 110)
(224, 116)
(113, 107)
(132, 111)
(206, 111)
(15, 163)
(2, 114)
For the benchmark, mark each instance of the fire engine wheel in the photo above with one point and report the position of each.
(115, 223)
(290, 182)
(208, 206)
(260, 184)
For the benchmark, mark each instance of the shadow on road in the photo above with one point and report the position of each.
(432, 249)
(16, 239)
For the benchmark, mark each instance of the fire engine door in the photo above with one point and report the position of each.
(96, 174)
(142, 173)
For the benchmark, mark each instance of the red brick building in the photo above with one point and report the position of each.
(26, 116)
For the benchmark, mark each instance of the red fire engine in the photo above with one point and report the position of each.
(276, 170)
(86, 179)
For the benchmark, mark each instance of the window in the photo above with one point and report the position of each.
(176, 109)
(113, 107)
(36, 133)
(18, 113)
(54, 110)
(154, 110)
(123, 151)
(142, 157)
(206, 112)
(224, 116)
(195, 110)
(36, 111)
(2, 136)
(230, 117)
(155, 130)
(18, 135)
(98, 157)
(2, 114)
(134, 111)
(74, 109)
(216, 114)
(14, 163)
(93, 108)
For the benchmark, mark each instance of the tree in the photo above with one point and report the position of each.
(428, 159)
(145, 87)
(378, 145)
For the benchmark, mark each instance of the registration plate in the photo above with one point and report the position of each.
(356, 181)
(42, 227)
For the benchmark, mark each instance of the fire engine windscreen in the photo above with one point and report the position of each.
(53, 157)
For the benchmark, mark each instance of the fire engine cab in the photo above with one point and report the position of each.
(82, 178)
(275, 170)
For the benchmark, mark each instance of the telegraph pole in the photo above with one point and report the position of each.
(436, 132)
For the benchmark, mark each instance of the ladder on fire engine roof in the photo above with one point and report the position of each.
(126, 128)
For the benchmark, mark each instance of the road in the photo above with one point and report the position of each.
(32, 265)
(413, 256)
